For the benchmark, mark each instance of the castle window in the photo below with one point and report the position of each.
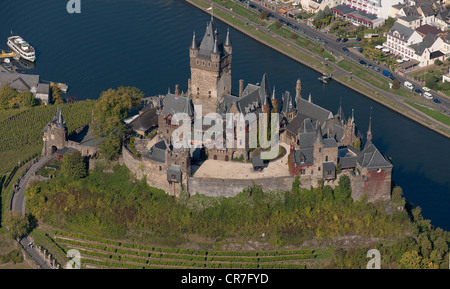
(320, 150)
(326, 158)
(319, 169)
(302, 171)
(203, 63)
(209, 64)
(160, 168)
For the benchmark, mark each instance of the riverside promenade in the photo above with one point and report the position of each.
(390, 100)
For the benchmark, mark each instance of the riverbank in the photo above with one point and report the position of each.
(317, 63)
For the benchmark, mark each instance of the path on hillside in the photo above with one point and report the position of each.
(18, 205)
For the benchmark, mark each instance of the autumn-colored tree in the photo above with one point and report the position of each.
(112, 107)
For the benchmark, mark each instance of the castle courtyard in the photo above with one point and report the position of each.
(236, 170)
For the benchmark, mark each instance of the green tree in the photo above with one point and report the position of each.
(320, 15)
(56, 94)
(263, 15)
(344, 191)
(296, 185)
(277, 25)
(17, 223)
(397, 197)
(395, 84)
(73, 166)
(6, 95)
(23, 99)
(112, 107)
(111, 147)
(411, 260)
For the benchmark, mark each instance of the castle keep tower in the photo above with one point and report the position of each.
(55, 134)
(210, 64)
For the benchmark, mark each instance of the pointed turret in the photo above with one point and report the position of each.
(216, 46)
(340, 113)
(264, 89)
(194, 45)
(319, 137)
(228, 39)
(60, 121)
(369, 130)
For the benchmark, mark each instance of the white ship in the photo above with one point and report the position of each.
(21, 48)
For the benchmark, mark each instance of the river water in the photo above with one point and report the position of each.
(144, 43)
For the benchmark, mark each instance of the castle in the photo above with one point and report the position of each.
(321, 145)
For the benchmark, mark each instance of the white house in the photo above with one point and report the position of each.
(399, 38)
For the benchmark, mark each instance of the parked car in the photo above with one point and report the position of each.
(344, 40)
(345, 49)
(376, 68)
(436, 100)
(428, 95)
(408, 85)
(358, 39)
(426, 88)
(362, 62)
(338, 39)
(418, 91)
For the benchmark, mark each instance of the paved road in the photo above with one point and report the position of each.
(18, 205)
(336, 49)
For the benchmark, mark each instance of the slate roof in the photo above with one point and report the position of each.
(288, 103)
(330, 143)
(295, 123)
(145, 120)
(306, 140)
(347, 162)
(157, 152)
(404, 31)
(329, 167)
(257, 162)
(427, 42)
(426, 10)
(6, 78)
(372, 159)
(180, 104)
(304, 157)
(174, 174)
(313, 111)
(208, 42)
(43, 88)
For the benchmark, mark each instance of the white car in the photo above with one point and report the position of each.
(408, 85)
(428, 95)
(426, 88)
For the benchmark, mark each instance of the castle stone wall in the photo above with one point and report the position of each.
(214, 187)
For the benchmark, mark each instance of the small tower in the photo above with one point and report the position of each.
(55, 134)
(274, 101)
(298, 89)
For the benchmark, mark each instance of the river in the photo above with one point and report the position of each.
(144, 43)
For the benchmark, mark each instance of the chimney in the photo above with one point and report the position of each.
(241, 87)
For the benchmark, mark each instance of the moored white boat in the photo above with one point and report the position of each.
(21, 48)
